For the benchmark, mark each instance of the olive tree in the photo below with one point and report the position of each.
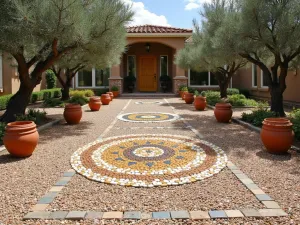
(39, 33)
(211, 51)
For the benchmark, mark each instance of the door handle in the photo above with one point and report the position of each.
(155, 77)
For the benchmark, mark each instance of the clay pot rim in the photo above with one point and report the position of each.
(21, 124)
(200, 97)
(277, 122)
(72, 105)
(223, 105)
(95, 98)
(105, 95)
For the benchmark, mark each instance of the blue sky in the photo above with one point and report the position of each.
(176, 13)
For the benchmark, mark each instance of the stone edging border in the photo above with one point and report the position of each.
(250, 127)
(272, 208)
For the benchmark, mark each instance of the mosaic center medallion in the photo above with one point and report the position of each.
(148, 160)
(148, 117)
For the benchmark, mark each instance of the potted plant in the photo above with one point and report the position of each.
(200, 101)
(223, 111)
(184, 90)
(130, 81)
(115, 91)
(165, 82)
(277, 135)
(189, 96)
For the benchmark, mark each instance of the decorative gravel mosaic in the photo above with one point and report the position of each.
(148, 117)
(142, 103)
(149, 160)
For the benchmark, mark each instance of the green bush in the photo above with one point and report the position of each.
(50, 79)
(82, 93)
(99, 92)
(232, 91)
(295, 118)
(2, 132)
(36, 116)
(4, 100)
(53, 102)
(45, 94)
(256, 117)
(77, 99)
(114, 88)
(212, 97)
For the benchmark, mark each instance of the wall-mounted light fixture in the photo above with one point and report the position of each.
(147, 46)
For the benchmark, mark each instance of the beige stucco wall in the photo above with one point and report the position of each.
(243, 79)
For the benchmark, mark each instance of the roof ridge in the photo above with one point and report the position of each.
(158, 26)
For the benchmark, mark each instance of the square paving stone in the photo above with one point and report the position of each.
(112, 215)
(161, 215)
(251, 213)
(247, 181)
(234, 213)
(242, 176)
(146, 215)
(272, 212)
(56, 189)
(271, 204)
(93, 215)
(39, 207)
(37, 215)
(180, 215)
(199, 215)
(257, 191)
(69, 174)
(237, 171)
(263, 197)
(217, 214)
(61, 183)
(76, 215)
(136, 215)
(46, 200)
(251, 186)
(58, 215)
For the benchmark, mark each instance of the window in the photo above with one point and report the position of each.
(131, 65)
(202, 79)
(93, 78)
(263, 81)
(164, 65)
(254, 75)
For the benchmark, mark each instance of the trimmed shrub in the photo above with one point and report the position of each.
(114, 88)
(256, 117)
(77, 99)
(82, 93)
(36, 116)
(50, 79)
(53, 102)
(295, 118)
(2, 132)
(232, 91)
(4, 100)
(212, 97)
(45, 94)
(99, 92)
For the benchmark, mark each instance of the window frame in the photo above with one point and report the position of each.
(252, 74)
(262, 79)
(127, 72)
(161, 66)
(196, 86)
(93, 81)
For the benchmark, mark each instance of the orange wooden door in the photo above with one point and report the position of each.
(147, 73)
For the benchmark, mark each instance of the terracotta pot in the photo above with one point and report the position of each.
(115, 93)
(183, 94)
(95, 103)
(105, 99)
(223, 112)
(200, 103)
(277, 135)
(111, 95)
(21, 138)
(189, 98)
(73, 113)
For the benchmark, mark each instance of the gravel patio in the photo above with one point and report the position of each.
(26, 181)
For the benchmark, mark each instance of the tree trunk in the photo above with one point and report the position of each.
(17, 104)
(65, 93)
(223, 89)
(277, 100)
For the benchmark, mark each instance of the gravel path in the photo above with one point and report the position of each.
(25, 181)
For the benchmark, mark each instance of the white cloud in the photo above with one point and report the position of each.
(195, 4)
(143, 16)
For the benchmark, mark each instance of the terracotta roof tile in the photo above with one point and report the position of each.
(157, 29)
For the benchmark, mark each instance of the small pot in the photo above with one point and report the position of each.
(189, 98)
(223, 112)
(73, 113)
(105, 99)
(21, 138)
(277, 135)
(95, 103)
(200, 103)
(115, 93)
(183, 94)
(111, 95)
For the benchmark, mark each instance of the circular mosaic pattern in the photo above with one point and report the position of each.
(148, 160)
(148, 117)
(142, 103)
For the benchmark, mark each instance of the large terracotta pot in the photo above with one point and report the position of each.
(277, 135)
(223, 112)
(115, 93)
(105, 99)
(189, 98)
(21, 138)
(183, 94)
(95, 103)
(200, 103)
(73, 113)
(111, 95)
